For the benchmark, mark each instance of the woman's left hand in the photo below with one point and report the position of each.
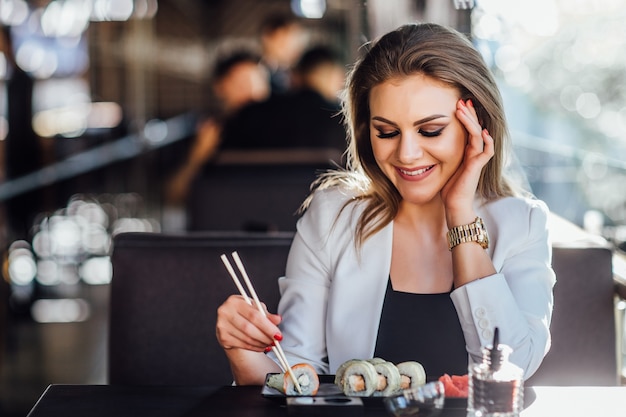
(459, 192)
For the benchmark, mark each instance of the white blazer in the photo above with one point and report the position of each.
(332, 297)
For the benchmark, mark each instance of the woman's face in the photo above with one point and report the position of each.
(416, 138)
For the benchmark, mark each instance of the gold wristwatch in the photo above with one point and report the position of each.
(473, 232)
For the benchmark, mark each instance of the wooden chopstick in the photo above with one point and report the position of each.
(278, 350)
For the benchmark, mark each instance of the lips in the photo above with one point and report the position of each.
(415, 172)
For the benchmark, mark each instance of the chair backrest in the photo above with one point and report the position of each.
(164, 295)
(583, 328)
(255, 190)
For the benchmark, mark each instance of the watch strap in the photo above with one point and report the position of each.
(472, 232)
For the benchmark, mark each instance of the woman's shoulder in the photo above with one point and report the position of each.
(332, 197)
(334, 209)
(516, 206)
(521, 214)
(332, 202)
(521, 204)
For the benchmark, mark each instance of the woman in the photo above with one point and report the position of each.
(378, 266)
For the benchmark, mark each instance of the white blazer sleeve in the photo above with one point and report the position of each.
(305, 287)
(518, 298)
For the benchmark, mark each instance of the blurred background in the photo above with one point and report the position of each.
(101, 103)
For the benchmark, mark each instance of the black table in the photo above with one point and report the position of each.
(157, 401)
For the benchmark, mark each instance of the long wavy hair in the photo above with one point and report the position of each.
(442, 54)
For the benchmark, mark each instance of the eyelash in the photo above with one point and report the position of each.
(387, 135)
(425, 133)
(430, 134)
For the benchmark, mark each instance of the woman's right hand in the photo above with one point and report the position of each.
(242, 326)
(459, 193)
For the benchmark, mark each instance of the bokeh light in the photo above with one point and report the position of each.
(22, 267)
(72, 246)
(588, 105)
(60, 310)
(310, 9)
(155, 131)
(13, 12)
(97, 270)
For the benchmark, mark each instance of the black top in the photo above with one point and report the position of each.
(423, 328)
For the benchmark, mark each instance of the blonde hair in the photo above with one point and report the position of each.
(437, 52)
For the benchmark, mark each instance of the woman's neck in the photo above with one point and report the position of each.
(423, 217)
(420, 260)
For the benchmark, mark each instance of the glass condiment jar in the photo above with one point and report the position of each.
(496, 386)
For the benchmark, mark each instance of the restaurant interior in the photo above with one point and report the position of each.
(120, 87)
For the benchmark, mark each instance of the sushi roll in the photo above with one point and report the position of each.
(305, 375)
(341, 370)
(360, 379)
(412, 374)
(388, 379)
(375, 361)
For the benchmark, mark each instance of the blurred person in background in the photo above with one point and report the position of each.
(283, 39)
(237, 80)
(321, 71)
(22, 150)
(305, 117)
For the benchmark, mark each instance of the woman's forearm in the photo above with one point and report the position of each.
(250, 368)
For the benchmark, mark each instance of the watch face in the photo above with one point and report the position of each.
(485, 242)
(483, 237)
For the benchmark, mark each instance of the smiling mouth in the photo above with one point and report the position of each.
(416, 172)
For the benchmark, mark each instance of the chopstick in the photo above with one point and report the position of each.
(278, 350)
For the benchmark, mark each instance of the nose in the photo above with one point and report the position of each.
(409, 149)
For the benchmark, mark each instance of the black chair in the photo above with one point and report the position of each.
(255, 190)
(164, 296)
(585, 340)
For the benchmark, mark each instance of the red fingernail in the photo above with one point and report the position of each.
(461, 102)
(469, 103)
(278, 337)
(267, 349)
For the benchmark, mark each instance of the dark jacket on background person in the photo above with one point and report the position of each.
(298, 119)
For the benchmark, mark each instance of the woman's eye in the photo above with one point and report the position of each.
(387, 135)
(430, 133)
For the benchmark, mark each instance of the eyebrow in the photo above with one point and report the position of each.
(418, 122)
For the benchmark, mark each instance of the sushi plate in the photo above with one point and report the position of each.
(329, 389)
